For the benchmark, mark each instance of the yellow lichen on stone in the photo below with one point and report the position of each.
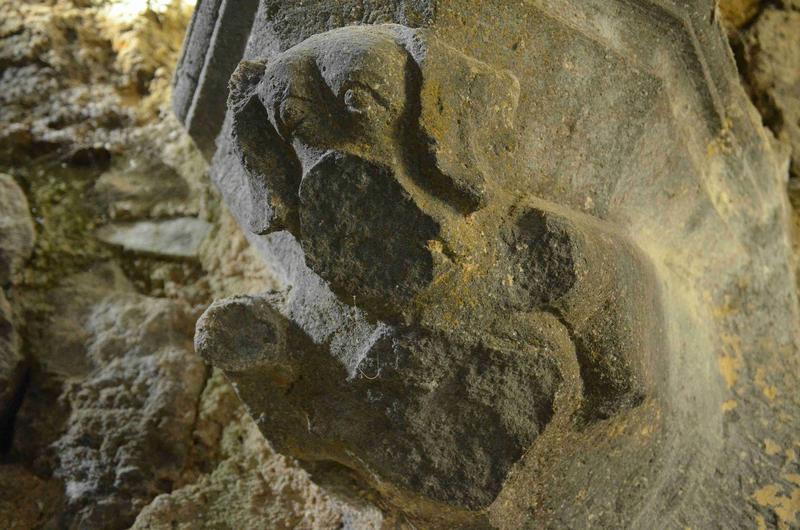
(769, 391)
(730, 361)
(729, 367)
(784, 507)
(737, 13)
(771, 447)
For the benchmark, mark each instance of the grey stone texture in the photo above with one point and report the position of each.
(17, 237)
(772, 69)
(533, 266)
(12, 363)
(123, 388)
(179, 238)
(218, 31)
(17, 234)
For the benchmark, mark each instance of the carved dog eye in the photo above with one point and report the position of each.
(357, 100)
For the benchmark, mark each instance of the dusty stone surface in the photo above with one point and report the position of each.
(105, 420)
(143, 188)
(12, 364)
(738, 13)
(17, 236)
(179, 237)
(237, 267)
(58, 347)
(96, 75)
(772, 69)
(251, 487)
(28, 501)
(557, 317)
(129, 429)
(126, 382)
(16, 229)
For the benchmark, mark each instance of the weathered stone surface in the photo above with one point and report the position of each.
(116, 457)
(180, 238)
(17, 234)
(474, 395)
(12, 365)
(345, 230)
(16, 244)
(58, 341)
(233, 264)
(772, 68)
(76, 79)
(219, 30)
(28, 501)
(504, 297)
(738, 13)
(141, 188)
(77, 76)
(251, 487)
(120, 368)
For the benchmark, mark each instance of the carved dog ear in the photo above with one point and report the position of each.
(466, 115)
(272, 169)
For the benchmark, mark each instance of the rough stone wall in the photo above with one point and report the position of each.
(107, 417)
